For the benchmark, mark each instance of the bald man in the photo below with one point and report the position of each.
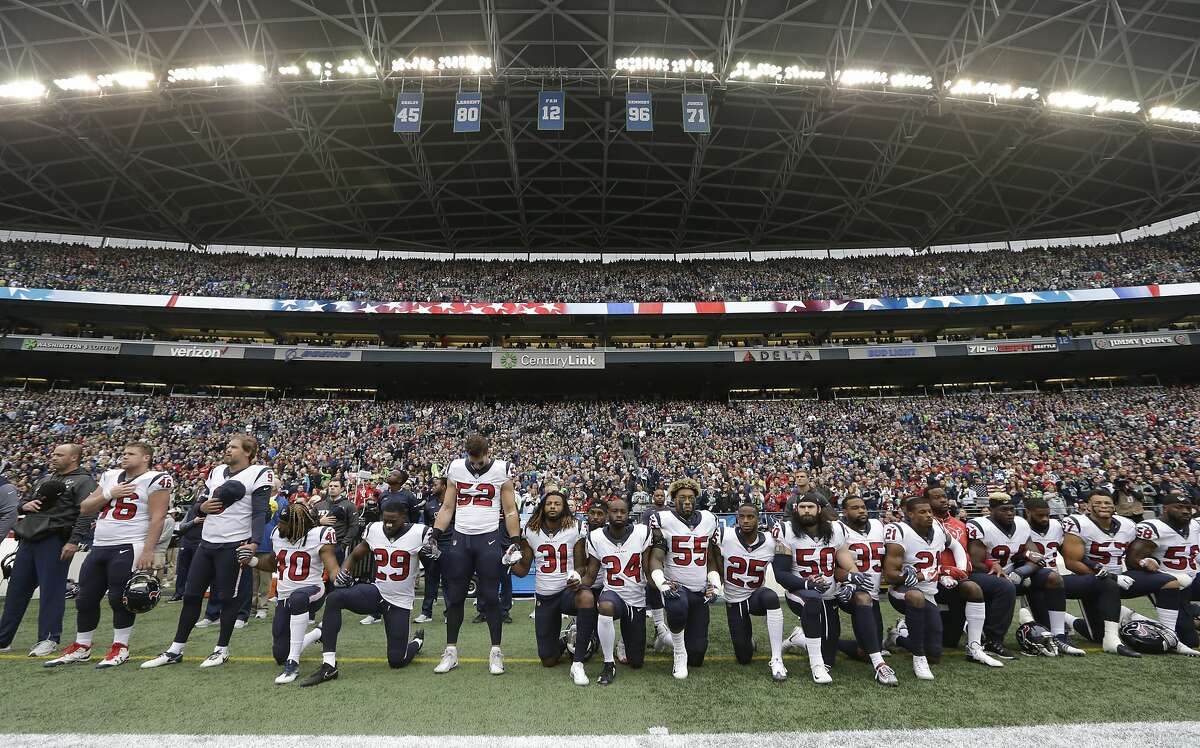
(50, 533)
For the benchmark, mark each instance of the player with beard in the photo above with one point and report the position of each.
(1167, 547)
(810, 558)
(999, 594)
(742, 556)
(679, 569)
(1094, 544)
(1046, 535)
(654, 603)
(394, 545)
(623, 551)
(1002, 543)
(864, 539)
(555, 540)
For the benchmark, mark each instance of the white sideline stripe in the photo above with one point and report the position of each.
(1116, 734)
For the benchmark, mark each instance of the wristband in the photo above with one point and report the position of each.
(659, 579)
(714, 578)
(435, 533)
(253, 561)
(107, 494)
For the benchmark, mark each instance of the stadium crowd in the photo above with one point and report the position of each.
(1055, 445)
(1169, 258)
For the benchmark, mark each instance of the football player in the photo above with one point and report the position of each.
(239, 499)
(1002, 543)
(479, 499)
(679, 569)
(303, 555)
(864, 540)
(742, 555)
(1094, 566)
(654, 603)
(999, 594)
(132, 502)
(623, 552)
(810, 557)
(1167, 547)
(393, 545)
(919, 582)
(556, 541)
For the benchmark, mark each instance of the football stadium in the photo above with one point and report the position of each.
(620, 372)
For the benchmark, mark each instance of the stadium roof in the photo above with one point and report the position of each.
(311, 162)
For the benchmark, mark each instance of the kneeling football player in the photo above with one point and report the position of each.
(395, 545)
(1166, 547)
(864, 540)
(742, 555)
(556, 541)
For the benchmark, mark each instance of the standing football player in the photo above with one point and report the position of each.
(132, 502)
(742, 555)
(864, 539)
(1167, 547)
(623, 552)
(239, 499)
(1095, 544)
(810, 558)
(679, 569)
(1002, 543)
(393, 544)
(303, 555)
(479, 498)
(557, 542)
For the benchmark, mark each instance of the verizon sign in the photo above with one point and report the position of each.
(183, 350)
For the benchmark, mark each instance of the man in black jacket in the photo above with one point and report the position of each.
(339, 512)
(50, 532)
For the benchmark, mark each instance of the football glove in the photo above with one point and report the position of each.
(908, 576)
(1102, 572)
(512, 554)
(844, 593)
(671, 590)
(953, 572)
(431, 548)
(858, 581)
(1034, 557)
(947, 582)
(1015, 578)
(1124, 582)
(244, 554)
(817, 584)
(344, 579)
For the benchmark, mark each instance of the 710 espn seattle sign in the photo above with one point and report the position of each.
(546, 360)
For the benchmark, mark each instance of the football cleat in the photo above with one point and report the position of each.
(778, 671)
(166, 658)
(291, 669)
(885, 676)
(998, 650)
(976, 653)
(260, 614)
(578, 675)
(496, 661)
(44, 648)
(1067, 647)
(794, 641)
(1183, 649)
(324, 673)
(921, 668)
(118, 654)
(420, 619)
(663, 643)
(239, 623)
(204, 623)
(372, 619)
(216, 659)
(679, 666)
(449, 660)
(608, 674)
(820, 674)
(621, 657)
(75, 653)
(311, 638)
(893, 635)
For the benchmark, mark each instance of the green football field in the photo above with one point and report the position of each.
(370, 698)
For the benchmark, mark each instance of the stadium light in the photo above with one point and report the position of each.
(422, 64)
(797, 73)
(766, 71)
(860, 77)
(680, 66)
(25, 89)
(1074, 100)
(1173, 114)
(465, 63)
(244, 72)
(77, 83)
(289, 71)
(355, 68)
(992, 90)
(908, 80)
(132, 79)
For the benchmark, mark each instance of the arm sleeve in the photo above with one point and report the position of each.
(83, 523)
(960, 553)
(782, 565)
(261, 507)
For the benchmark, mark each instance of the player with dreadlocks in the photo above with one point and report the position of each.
(304, 551)
(557, 541)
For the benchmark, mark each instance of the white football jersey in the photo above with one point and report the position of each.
(868, 549)
(621, 563)
(234, 524)
(1173, 551)
(920, 552)
(553, 557)
(687, 546)
(1105, 547)
(477, 509)
(1002, 547)
(396, 561)
(298, 563)
(744, 569)
(126, 521)
(811, 557)
(1048, 542)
